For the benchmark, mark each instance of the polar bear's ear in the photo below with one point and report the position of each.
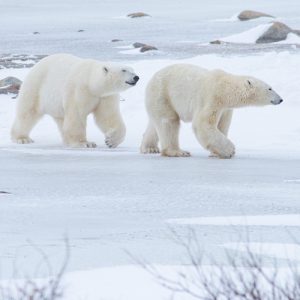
(105, 69)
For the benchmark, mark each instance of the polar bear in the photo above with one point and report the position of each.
(205, 98)
(69, 88)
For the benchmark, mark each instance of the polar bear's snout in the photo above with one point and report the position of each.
(134, 80)
(277, 99)
(277, 102)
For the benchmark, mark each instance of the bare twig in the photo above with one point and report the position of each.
(43, 289)
(243, 279)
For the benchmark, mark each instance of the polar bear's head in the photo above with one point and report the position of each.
(259, 93)
(108, 79)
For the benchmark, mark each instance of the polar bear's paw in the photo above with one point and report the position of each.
(85, 144)
(88, 144)
(112, 142)
(227, 151)
(150, 150)
(175, 153)
(24, 140)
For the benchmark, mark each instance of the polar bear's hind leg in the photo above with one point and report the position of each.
(168, 133)
(25, 120)
(150, 140)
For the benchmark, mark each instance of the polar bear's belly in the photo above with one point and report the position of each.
(183, 103)
(51, 101)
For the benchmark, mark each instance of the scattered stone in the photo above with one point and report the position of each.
(138, 45)
(10, 85)
(143, 47)
(273, 32)
(250, 15)
(18, 61)
(296, 31)
(216, 42)
(4, 192)
(116, 40)
(138, 15)
(36, 32)
(81, 30)
(147, 48)
(276, 33)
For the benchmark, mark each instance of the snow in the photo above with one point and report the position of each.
(292, 180)
(172, 20)
(113, 201)
(249, 36)
(134, 283)
(292, 38)
(109, 200)
(264, 220)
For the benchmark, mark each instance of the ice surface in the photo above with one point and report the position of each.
(264, 220)
(107, 201)
(110, 200)
(290, 252)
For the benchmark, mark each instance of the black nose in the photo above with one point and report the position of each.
(280, 100)
(136, 78)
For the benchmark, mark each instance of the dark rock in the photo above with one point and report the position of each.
(296, 31)
(81, 30)
(216, 42)
(276, 33)
(250, 14)
(36, 32)
(138, 45)
(137, 15)
(4, 192)
(116, 40)
(10, 85)
(147, 48)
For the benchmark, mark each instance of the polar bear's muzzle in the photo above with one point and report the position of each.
(277, 101)
(134, 80)
(276, 98)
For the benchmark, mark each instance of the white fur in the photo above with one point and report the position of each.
(205, 98)
(69, 88)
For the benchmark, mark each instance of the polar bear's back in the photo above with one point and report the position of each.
(44, 83)
(180, 85)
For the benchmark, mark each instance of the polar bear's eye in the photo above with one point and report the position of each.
(270, 89)
(123, 70)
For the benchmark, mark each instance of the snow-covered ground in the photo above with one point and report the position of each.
(108, 201)
(171, 22)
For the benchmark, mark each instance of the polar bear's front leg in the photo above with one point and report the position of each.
(210, 137)
(225, 121)
(74, 129)
(108, 118)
